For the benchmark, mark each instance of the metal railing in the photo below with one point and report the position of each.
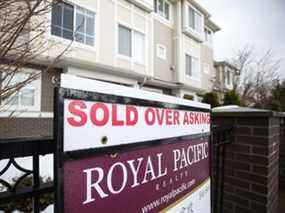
(10, 149)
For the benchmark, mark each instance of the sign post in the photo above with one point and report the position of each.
(121, 149)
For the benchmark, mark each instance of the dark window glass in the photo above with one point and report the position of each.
(62, 20)
(68, 17)
(56, 15)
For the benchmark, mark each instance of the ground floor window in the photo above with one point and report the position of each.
(27, 97)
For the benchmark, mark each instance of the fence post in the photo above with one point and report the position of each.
(252, 161)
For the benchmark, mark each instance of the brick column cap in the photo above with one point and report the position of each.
(236, 111)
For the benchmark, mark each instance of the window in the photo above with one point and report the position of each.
(208, 37)
(206, 68)
(131, 44)
(194, 19)
(192, 66)
(73, 23)
(162, 7)
(125, 41)
(139, 47)
(28, 97)
(62, 20)
(161, 51)
(85, 26)
(228, 77)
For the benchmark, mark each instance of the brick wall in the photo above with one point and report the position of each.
(282, 156)
(251, 162)
(25, 127)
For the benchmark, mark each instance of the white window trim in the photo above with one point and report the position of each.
(132, 58)
(160, 46)
(75, 44)
(37, 98)
(208, 66)
(25, 114)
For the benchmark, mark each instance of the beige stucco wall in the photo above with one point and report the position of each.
(193, 48)
(109, 14)
(163, 35)
(207, 62)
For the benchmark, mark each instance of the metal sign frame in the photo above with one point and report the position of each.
(60, 94)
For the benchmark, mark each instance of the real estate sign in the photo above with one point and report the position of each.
(123, 149)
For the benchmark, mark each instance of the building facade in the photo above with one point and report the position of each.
(226, 75)
(162, 46)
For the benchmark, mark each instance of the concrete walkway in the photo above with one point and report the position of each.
(282, 202)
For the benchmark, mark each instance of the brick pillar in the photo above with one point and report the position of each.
(252, 161)
(282, 156)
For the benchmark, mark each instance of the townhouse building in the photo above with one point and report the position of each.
(162, 46)
(226, 75)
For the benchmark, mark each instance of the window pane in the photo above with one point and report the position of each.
(166, 11)
(80, 23)
(160, 6)
(195, 68)
(28, 97)
(90, 13)
(198, 22)
(56, 18)
(68, 17)
(90, 26)
(90, 41)
(191, 18)
(188, 65)
(14, 100)
(56, 31)
(125, 41)
(67, 34)
(79, 37)
(139, 47)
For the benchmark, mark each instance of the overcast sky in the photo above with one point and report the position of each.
(260, 23)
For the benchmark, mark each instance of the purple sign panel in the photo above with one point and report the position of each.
(145, 179)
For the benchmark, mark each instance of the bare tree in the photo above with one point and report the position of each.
(23, 26)
(257, 75)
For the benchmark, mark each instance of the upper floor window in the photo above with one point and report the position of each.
(131, 43)
(162, 7)
(195, 19)
(206, 68)
(192, 66)
(208, 37)
(73, 22)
